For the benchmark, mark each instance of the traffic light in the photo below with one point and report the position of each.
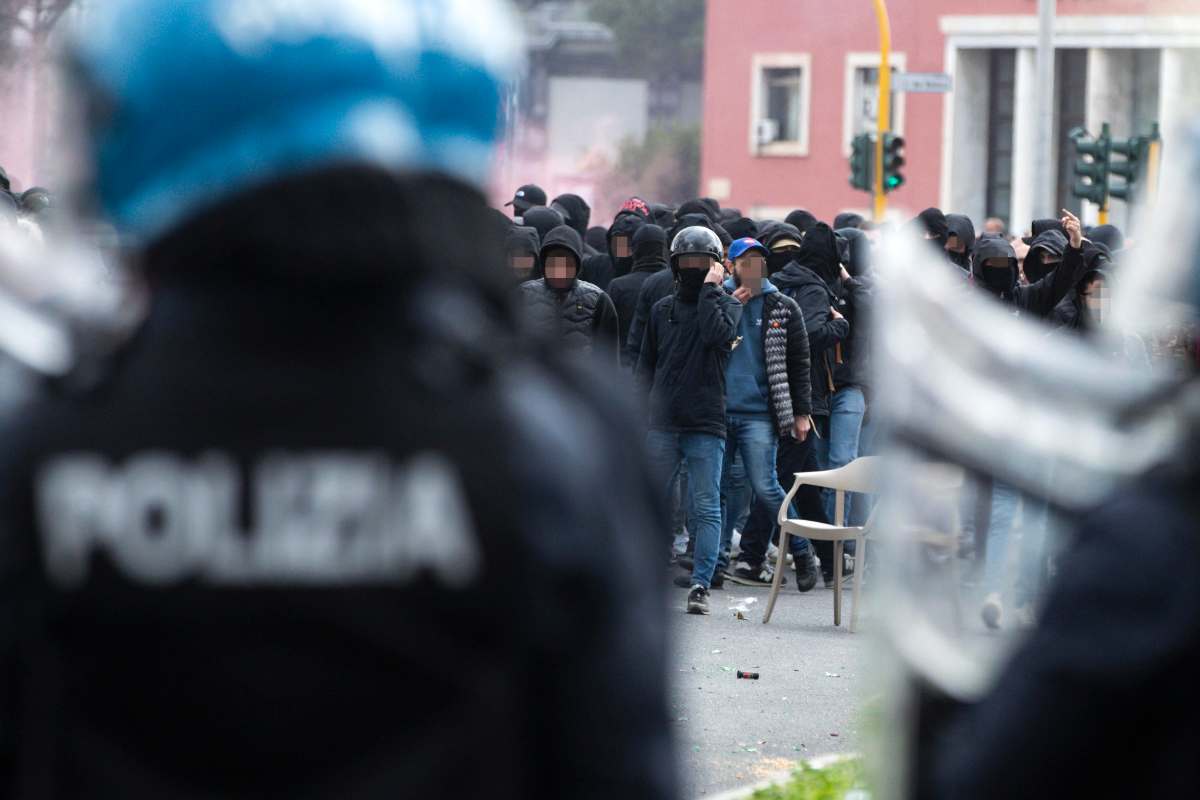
(893, 160)
(1091, 166)
(1135, 151)
(862, 156)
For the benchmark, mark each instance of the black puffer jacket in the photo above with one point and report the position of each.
(581, 317)
(649, 257)
(681, 368)
(815, 298)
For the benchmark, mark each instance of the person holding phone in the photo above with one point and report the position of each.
(768, 395)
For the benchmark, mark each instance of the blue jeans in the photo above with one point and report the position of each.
(840, 447)
(704, 454)
(756, 441)
(1005, 501)
(736, 495)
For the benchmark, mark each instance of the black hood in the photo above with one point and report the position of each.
(626, 224)
(1051, 242)
(819, 252)
(993, 246)
(771, 232)
(859, 248)
(1108, 235)
(1096, 255)
(741, 227)
(701, 205)
(961, 226)
(687, 221)
(649, 247)
(795, 276)
(802, 219)
(575, 210)
(662, 215)
(597, 238)
(1040, 226)
(522, 240)
(543, 219)
(847, 219)
(566, 237)
(933, 222)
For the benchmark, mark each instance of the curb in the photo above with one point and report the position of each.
(820, 762)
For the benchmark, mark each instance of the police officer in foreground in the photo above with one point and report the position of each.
(307, 538)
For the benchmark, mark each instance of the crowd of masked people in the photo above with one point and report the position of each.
(748, 341)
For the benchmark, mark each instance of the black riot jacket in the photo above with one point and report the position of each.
(311, 538)
(1036, 299)
(649, 256)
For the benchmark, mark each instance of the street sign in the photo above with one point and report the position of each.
(922, 82)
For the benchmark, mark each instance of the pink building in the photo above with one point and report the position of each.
(787, 85)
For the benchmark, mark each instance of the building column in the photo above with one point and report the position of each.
(1178, 93)
(1110, 87)
(1024, 141)
(966, 193)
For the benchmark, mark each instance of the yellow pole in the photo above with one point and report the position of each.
(885, 102)
(1152, 157)
(1104, 212)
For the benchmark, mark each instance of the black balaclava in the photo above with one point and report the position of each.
(542, 219)
(933, 222)
(771, 232)
(597, 238)
(847, 219)
(649, 247)
(1050, 242)
(819, 252)
(575, 210)
(961, 227)
(563, 237)
(626, 224)
(523, 240)
(688, 282)
(859, 262)
(1000, 282)
(803, 220)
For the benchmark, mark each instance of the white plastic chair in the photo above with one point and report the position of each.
(860, 475)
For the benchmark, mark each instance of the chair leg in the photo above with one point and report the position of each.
(837, 582)
(783, 539)
(860, 560)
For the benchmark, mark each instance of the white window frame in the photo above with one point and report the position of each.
(854, 62)
(760, 62)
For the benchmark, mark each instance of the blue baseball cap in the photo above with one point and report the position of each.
(741, 246)
(190, 102)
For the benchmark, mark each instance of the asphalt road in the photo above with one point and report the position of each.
(733, 732)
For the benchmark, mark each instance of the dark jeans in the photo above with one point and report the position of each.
(793, 456)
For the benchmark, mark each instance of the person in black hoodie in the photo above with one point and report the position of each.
(597, 238)
(649, 257)
(662, 215)
(681, 373)
(1045, 255)
(601, 268)
(847, 219)
(807, 278)
(932, 224)
(521, 250)
(960, 241)
(576, 214)
(995, 271)
(561, 307)
(542, 219)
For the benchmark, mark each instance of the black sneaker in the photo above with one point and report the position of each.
(748, 575)
(847, 571)
(806, 571)
(686, 562)
(685, 581)
(697, 600)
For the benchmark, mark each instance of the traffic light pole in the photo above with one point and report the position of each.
(884, 106)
